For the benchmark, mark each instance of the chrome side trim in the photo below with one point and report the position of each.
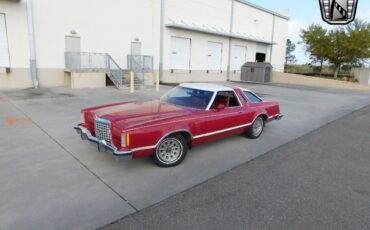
(160, 140)
(144, 148)
(222, 131)
(176, 131)
(102, 144)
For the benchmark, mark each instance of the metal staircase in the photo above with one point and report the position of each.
(85, 62)
(118, 76)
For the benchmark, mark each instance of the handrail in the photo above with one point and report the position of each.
(96, 62)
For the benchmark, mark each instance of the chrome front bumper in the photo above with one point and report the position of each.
(102, 144)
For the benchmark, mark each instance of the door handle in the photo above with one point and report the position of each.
(240, 112)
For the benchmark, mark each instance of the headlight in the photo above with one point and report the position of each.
(82, 117)
(125, 139)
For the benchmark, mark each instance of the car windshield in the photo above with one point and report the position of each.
(188, 97)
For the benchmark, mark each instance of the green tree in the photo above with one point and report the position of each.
(289, 56)
(315, 40)
(348, 44)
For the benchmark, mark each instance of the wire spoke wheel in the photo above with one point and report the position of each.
(257, 126)
(169, 151)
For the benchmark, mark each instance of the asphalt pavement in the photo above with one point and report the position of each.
(318, 181)
(50, 179)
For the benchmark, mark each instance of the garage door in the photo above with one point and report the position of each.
(4, 52)
(214, 56)
(261, 53)
(239, 57)
(261, 48)
(180, 53)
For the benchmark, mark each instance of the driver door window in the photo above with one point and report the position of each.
(227, 98)
(225, 121)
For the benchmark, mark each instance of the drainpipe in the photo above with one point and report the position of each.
(161, 37)
(272, 37)
(31, 40)
(231, 31)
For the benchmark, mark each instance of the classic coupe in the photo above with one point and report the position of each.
(188, 115)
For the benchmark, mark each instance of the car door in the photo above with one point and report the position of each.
(223, 122)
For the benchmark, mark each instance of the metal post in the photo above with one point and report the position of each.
(161, 37)
(31, 40)
(231, 32)
(272, 37)
(157, 82)
(132, 79)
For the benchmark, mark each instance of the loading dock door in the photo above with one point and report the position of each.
(261, 53)
(214, 56)
(239, 57)
(4, 51)
(180, 53)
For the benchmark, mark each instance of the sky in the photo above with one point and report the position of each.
(303, 13)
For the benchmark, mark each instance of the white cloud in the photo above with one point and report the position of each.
(294, 32)
(364, 15)
(295, 27)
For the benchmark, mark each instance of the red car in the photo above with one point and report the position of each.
(188, 115)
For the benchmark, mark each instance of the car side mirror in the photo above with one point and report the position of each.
(220, 107)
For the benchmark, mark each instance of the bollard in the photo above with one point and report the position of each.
(132, 81)
(157, 82)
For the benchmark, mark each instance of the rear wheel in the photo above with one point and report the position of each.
(256, 128)
(171, 151)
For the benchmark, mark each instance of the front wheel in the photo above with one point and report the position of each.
(256, 128)
(171, 151)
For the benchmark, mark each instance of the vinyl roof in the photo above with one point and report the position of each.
(206, 86)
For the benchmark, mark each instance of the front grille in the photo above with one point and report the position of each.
(102, 129)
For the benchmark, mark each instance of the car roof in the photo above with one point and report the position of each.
(206, 86)
(245, 89)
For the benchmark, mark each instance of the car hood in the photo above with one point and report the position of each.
(132, 114)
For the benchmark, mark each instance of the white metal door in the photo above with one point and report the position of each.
(4, 51)
(73, 44)
(180, 53)
(214, 56)
(135, 48)
(239, 57)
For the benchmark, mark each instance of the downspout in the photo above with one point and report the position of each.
(31, 40)
(272, 37)
(161, 37)
(231, 32)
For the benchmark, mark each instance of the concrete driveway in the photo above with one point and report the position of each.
(51, 179)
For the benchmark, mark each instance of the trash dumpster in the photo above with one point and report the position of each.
(256, 72)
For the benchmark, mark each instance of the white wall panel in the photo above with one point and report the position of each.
(4, 51)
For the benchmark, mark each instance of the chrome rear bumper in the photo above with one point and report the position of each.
(278, 117)
(102, 144)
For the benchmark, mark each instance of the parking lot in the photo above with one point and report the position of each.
(50, 178)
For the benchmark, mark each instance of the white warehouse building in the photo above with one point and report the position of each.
(187, 41)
